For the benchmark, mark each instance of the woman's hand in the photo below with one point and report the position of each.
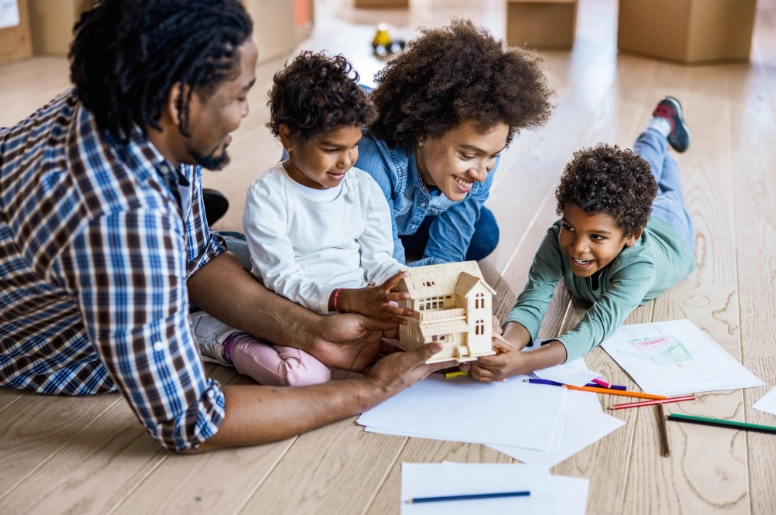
(375, 301)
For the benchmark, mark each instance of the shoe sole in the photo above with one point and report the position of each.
(678, 107)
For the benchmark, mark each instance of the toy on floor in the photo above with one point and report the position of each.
(453, 305)
(383, 40)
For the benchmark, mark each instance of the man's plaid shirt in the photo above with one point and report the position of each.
(95, 251)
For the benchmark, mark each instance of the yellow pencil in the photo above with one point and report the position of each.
(448, 375)
(615, 392)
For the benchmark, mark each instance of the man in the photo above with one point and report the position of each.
(103, 240)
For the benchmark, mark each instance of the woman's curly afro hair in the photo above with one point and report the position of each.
(456, 74)
(316, 94)
(610, 180)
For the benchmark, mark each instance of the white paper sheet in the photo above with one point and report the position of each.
(675, 358)
(582, 426)
(570, 492)
(575, 373)
(438, 479)
(767, 403)
(467, 411)
(9, 14)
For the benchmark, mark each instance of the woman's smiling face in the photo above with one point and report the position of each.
(460, 157)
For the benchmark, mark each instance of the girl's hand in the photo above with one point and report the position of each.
(377, 301)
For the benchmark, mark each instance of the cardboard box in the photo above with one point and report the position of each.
(688, 31)
(385, 4)
(15, 41)
(52, 24)
(279, 25)
(541, 23)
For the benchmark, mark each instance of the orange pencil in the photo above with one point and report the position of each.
(616, 392)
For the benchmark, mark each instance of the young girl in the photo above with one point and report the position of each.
(318, 230)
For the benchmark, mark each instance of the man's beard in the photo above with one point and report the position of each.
(210, 162)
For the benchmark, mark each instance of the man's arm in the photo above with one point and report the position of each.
(230, 293)
(262, 414)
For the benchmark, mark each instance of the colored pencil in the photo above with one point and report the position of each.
(555, 383)
(615, 392)
(468, 497)
(743, 426)
(601, 383)
(681, 398)
(449, 375)
(665, 450)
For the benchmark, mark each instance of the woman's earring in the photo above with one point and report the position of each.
(420, 143)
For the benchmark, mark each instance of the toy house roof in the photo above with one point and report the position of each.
(467, 281)
(437, 280)
(447, 327)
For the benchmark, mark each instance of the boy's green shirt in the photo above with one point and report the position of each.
(657, 262)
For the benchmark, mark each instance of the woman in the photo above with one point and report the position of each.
(447, 107)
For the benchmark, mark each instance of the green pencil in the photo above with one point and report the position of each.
(722, 423)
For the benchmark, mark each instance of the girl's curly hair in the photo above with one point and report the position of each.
(316, 94)
(610, 180)
(455, 74)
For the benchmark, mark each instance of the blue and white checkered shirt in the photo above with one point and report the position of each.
(95, 251)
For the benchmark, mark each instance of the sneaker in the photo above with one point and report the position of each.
(210, 334)
(670, 109)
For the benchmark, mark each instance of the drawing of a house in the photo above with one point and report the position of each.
(453, 305)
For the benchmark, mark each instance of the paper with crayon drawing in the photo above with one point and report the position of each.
(675, 358)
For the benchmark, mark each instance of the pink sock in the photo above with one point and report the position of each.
(276, 365)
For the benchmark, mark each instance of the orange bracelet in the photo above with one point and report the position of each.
(336, 295)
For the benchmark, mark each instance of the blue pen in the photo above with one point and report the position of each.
(468, 497)
(555, 383)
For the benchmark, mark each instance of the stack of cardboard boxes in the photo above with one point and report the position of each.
(45, 27)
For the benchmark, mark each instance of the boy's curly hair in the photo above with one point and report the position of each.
(610, 180)
(455, 74)
(316, 94)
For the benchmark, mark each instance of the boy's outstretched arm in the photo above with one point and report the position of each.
(510, 361)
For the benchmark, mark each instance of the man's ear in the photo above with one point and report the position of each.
(631, 240)
(171, 109)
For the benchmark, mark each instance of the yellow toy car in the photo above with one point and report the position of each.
(383, 40)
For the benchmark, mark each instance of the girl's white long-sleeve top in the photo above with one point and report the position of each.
(304, 250)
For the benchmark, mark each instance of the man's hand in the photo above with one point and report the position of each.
(375, 301)
(348, 342)
(400, 370)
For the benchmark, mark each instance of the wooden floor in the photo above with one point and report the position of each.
(90, 455)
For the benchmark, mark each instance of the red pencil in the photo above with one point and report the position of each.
(680, 398)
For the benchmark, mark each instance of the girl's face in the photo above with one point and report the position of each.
(323, 162)
(460, 157)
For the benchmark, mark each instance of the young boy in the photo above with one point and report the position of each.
(617, 245)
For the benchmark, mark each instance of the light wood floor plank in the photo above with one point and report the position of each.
(35, 429)
(8, 396)
(707, 470)
(754, 132)
(219, 482)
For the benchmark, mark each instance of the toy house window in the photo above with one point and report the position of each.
(479, 301)
(479, 327)
(428, 283)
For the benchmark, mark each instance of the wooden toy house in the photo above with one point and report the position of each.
(453, 305)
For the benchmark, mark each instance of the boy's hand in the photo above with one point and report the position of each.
(377, 301)
(507, 362)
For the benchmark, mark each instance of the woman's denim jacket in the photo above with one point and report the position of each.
(399, 178)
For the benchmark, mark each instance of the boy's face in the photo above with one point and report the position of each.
(323, 162)
(591, 241)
